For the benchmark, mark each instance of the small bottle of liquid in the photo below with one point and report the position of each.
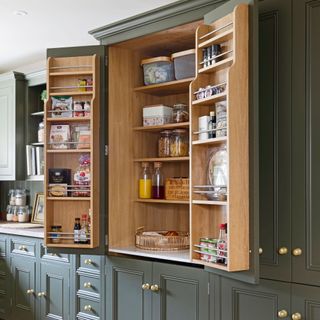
(84, 229)
(222, 244)
(157, 182)
(212, 125)
(76, 230)
(145, 182)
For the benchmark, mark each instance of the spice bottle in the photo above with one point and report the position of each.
(164, 144)
(212, 125)
(76, 230)
(157, 182)
(41, 132)
(222, 244)
(145, 182)
(83, 235)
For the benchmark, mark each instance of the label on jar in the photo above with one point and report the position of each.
(76, 236)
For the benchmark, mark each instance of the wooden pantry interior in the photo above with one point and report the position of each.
(130, 143)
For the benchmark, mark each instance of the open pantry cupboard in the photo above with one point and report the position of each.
(130, 143)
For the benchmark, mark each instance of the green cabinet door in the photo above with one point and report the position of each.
(275, 137)
(23, 288)
(305, 301)
(54, 291)
(241, 301)
(182, 293)
(305, 146)
(124, 294)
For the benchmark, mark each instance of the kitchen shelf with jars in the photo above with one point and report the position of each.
(179, 146)
(72, 152)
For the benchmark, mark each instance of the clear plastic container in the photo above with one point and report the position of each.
(180, 113)
(179, 143)
(164, 144)
(157, 70)
(184, 64)
(23, 214)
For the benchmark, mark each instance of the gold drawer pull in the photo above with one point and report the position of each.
(87, 308)
(146, 286)
(87, 261)
(260, 251)
(283, 251)
(155, 288)
(282, 314)
(30, 291)
(23, 248)
(87, 284)
(297, 252)
(41, 294)
(296, 316)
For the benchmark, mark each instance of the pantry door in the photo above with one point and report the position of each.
(252, 275)
(100, 52)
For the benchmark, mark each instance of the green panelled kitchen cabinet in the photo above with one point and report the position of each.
(4, 279)
(150, 290)
(12, 99)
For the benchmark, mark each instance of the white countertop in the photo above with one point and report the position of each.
(37, 232)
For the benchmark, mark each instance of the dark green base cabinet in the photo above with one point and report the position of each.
(139, 290)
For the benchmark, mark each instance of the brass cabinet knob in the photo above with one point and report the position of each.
(296, 316)
(154, 288)
(283, 251)
(41, 294)
(260, 251)
(87, 261)
(87, 284)
(30, 291)
(297, 252)
(146, 286)
(87, 308)
(282, 314)
(22, 248)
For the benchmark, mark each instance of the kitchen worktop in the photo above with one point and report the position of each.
(21, 229)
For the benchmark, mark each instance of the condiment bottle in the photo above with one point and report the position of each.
(222, 244)
(41, 132)
(145, 182)
(76, 230)
(84, 229)
(212, 125)
(157, 182)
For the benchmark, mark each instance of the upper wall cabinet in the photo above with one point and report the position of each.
(12, 99)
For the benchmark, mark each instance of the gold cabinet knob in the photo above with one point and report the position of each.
(297, 252)
(87, 284)
(282, 314)
(283, 251)
(41, 294)
(146, 286)
(87, 261)
(154, 288)
(30, 291)
(260, 251)
(22, 248)
(296, 316)
(87, 308)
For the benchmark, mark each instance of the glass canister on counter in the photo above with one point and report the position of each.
(164, 144)
(179, 143)
(23, 214)
(21, 197)
(180, 113)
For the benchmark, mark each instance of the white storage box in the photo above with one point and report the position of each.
(156, 115)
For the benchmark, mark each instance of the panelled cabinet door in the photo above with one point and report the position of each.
(274, 138)
(128, 293)
(54, 291)
(305, 146)
(23, 288)
(270, 300)
(179, 293)
(305, 302)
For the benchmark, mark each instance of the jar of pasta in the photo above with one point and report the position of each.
(164, 143)
(179, 143)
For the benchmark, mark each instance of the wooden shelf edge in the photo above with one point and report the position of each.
(163, 201)
(169, 159)
(68, 198)
(217, 66)
(63, 119)
(210, 203)
(71, 93)
(211, 264)
(208, 101)
(68, 150)
(163, 127)
(210, 141)
(222, 37)
(70, 245)
(70, 73)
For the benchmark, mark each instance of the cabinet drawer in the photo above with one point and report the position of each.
(25, 247)
(3, 247)
(88, 309)
(89, 285)
(90, 263)
(54, 257)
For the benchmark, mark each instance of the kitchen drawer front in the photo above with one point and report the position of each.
(24, 247)
(90, 263)
(89, 285)
(88, 309)
(54, 257)
(3, 247)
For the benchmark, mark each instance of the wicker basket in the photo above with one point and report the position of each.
(159, 241)
(177, 189)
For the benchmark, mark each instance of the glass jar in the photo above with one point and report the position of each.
(10, 212)
(55, 233)
(164, 144)
(21, 197)
(41, 132)
(23, 214)
(179, 143)
(180, 113)
(12, 197)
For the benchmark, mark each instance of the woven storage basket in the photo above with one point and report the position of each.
(177, 189)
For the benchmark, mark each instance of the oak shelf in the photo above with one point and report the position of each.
(210, 100)
(71, 93)
(163, 127)
(225, 63)
(210, 141)
(68, 150)
(70, 73)
(163, 201)
(69, 119)
(169, 159)
(218, 39)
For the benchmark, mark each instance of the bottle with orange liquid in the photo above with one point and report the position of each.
(145, 182)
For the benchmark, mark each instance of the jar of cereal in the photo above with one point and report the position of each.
(179, 143)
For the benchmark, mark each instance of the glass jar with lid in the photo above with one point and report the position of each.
(164, 144)
(12, 197)
(10, 212)
(180, 113)
(23, 214)
(21, 197)
(179, 143)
